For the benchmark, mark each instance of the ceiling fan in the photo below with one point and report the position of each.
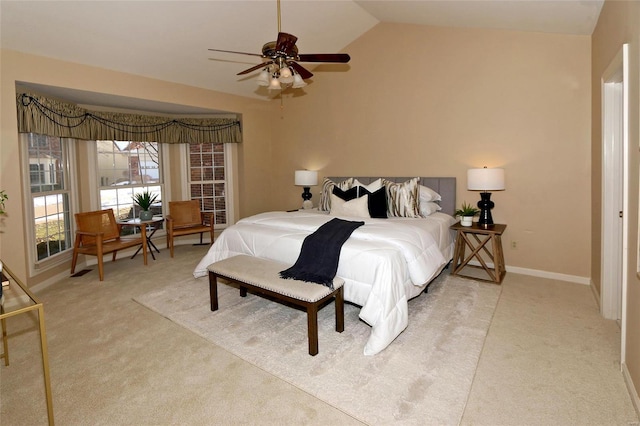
(281, 67)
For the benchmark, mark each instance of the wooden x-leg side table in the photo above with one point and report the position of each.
(477, 238)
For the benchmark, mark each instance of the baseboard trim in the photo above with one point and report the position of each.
(551, 275)
(541, 274)
(90, 261)
(515, 269)
(22, 299)
(631, 388)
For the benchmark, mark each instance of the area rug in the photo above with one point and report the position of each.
(423, 377)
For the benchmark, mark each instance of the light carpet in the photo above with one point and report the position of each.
(423, 377)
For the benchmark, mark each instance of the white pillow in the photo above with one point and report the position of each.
(358, 207)
(429, 207)
(428, 194)
(372, 187)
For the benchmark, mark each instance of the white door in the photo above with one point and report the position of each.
(612, 201)
(615, 179)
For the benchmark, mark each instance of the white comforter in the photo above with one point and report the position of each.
(384, 263)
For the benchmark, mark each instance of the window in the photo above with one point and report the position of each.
(208, 179)
(50, 191)
(36, 174)
(125, 169)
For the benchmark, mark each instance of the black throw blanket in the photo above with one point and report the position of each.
(320, 252)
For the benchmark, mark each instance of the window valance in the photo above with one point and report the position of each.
(38, 114)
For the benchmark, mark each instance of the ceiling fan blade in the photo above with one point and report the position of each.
(240, 53)
(285, 42)
(325, 57)
(304, 73)
(257, 67)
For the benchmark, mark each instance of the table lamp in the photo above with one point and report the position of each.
(306, 179)
(485, 180)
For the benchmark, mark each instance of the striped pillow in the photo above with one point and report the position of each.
(403, 199)
(327, 190)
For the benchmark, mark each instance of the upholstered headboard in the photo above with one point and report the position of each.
(445, 186)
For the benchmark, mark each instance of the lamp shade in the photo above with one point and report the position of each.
(274, 84)
(298, 82)
(306, 178)
(286, 76)
(285, 72)
(263, 78)
(485, 179)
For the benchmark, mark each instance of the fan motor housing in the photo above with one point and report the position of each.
(269, 51)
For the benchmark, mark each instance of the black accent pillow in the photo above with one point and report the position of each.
(377, 202)
(348, 195)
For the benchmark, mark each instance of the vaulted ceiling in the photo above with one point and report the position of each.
(169, 40)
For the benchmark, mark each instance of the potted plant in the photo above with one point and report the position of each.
(144, 201)
(3, 197)
(466, 213)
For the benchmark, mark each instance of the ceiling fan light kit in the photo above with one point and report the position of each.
(281, 68)
(286, 76)
(298, 82)
(274, 84)
(281, 78)
(263, 78)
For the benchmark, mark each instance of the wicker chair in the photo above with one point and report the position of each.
(185, 218)
(97, 234)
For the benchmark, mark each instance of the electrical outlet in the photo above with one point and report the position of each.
(514, 245)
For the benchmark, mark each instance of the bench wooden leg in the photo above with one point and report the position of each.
(213, 291)
(243, 291)
(340, 310)
(312, 325)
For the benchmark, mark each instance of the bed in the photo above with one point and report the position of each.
(384, 263)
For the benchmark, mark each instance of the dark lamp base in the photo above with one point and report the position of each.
(485, 205)
(306, 194)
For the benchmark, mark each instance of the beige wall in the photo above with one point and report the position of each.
(20, 67)
(619, 23)
(436, 101)
(415, 101)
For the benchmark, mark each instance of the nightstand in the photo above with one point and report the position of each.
(479, 240)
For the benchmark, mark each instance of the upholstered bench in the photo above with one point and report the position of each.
(262, 277)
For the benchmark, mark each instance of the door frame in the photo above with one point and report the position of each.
(615, 184)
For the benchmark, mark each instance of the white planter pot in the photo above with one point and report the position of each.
(466, 220)
(146, 215)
